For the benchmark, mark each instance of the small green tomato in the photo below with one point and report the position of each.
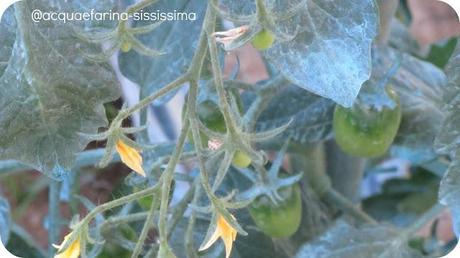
(278, 220)
(367, 132)
(263, 40)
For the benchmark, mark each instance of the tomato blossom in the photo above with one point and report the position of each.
(226, 232)
(130, 157)
(72, 250)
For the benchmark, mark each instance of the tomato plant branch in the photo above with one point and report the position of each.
(53, 216)
(347, 206)
(216, 69)
(147, 225)
(120, 201)
(115, 221)
(168, 176)
(188, 243)
(146, 101)
(193, 119)
(179, 210)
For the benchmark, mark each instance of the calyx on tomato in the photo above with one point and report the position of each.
(281, 219)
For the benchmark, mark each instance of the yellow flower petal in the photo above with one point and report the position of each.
(211, 240)
(73, 251)
(226, 232)
(130, 157)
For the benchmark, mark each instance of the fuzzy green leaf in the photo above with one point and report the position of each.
(311, 114)
(7, 37)
(343, 240)
(50, 93)
(176, 39)
(331, 56)
(448, 140)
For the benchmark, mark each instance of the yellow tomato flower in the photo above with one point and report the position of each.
(130, 157)
(72, 251)
(226, 232)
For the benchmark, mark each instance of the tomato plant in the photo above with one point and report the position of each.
(335, 135)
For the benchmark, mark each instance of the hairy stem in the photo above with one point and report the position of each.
(168, 176)
(53, 216)
(145, 230)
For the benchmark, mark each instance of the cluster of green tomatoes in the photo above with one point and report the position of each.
(359, 131)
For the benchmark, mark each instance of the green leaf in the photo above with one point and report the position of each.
(50, 93)
(177, 39)
(448, 139)
(7, 37)
(440, 53)
(332, 55)
(343, 240)
(311, 114)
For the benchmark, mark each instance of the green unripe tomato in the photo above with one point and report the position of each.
(126, 46)
(367, 132)
(209, 114)
(241, 160)
(263, 40)
(280, 220)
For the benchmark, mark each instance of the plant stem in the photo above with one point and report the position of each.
(168, 176)
(158, 94)
(145, 230)
(347, 206)
(53, 216)
(216, 70)
(118, 202)
(181, 207)
(191, 225)
(346, 173)
(193, 118)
